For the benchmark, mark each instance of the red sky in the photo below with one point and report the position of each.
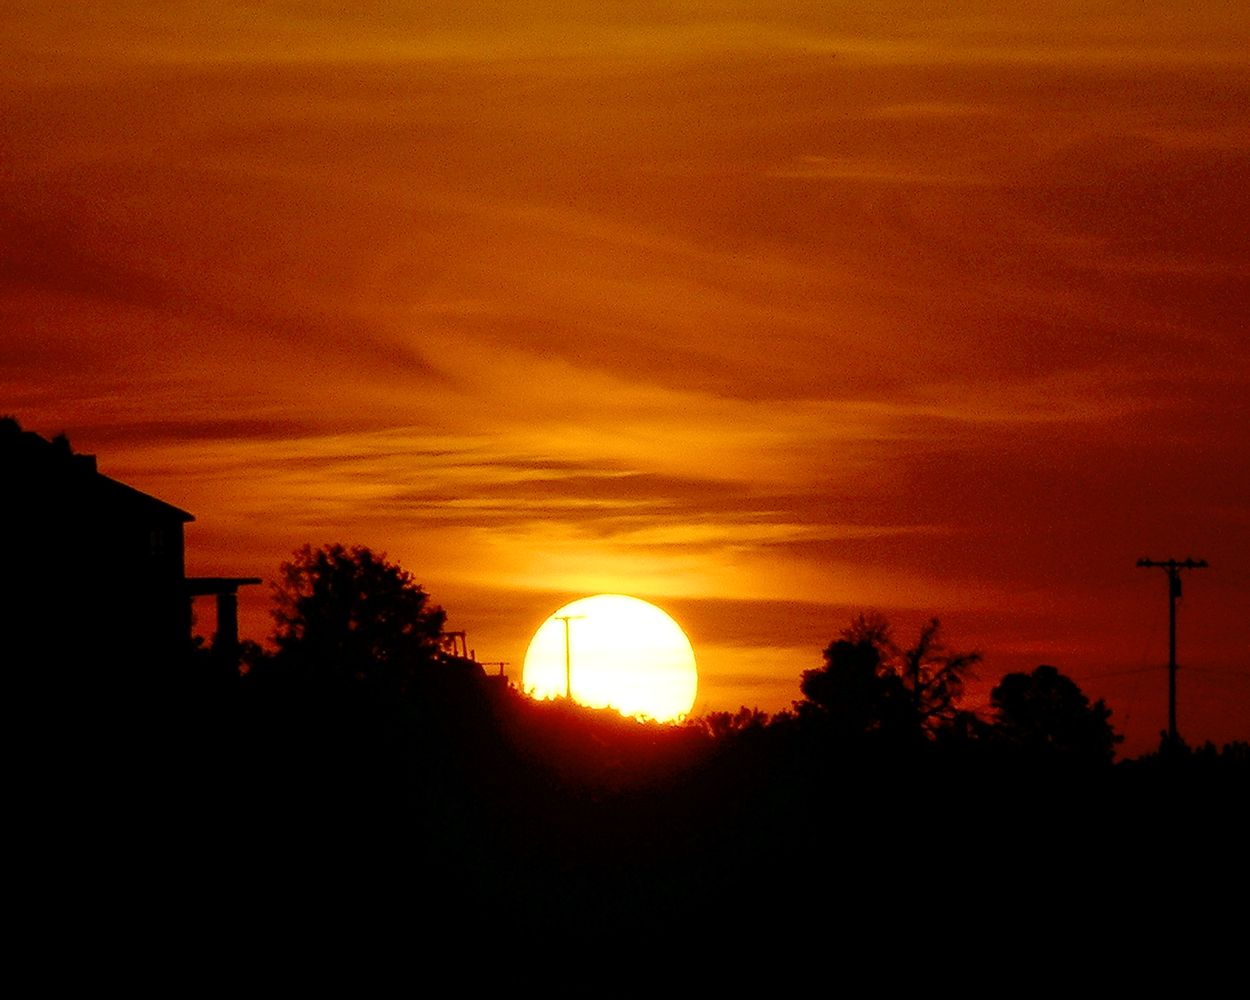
(770, 312)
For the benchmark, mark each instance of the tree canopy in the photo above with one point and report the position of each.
(351, 613)
(869, 684)
(1045, 714)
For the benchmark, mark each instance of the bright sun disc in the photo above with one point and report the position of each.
(621, 653)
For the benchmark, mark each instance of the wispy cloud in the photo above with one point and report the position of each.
(813, 309)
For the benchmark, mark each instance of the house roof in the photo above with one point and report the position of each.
(49, 471)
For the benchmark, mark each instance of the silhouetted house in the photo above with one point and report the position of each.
(93, 569)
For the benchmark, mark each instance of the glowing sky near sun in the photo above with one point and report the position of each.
(772, 310)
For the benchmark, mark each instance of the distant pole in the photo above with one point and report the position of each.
(1173, 569)
(568, 656)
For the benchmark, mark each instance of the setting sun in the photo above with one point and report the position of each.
(614, 651)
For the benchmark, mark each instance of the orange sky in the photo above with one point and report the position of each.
(767, 311)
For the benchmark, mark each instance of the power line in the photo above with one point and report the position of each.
(1117, 673)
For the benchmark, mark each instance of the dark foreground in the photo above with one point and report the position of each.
(209, 802)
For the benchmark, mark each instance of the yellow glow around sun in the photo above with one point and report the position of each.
(622, 653)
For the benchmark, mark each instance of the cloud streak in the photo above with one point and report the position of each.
(768, 310)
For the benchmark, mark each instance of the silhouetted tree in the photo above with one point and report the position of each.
(1046, 715)
(869, 684)
(728, 725)
(934, 676)
(348, 613)
(855, 693)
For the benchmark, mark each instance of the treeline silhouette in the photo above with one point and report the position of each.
(361, 757)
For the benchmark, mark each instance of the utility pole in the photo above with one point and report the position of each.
(568, 656)
(1173, 569)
